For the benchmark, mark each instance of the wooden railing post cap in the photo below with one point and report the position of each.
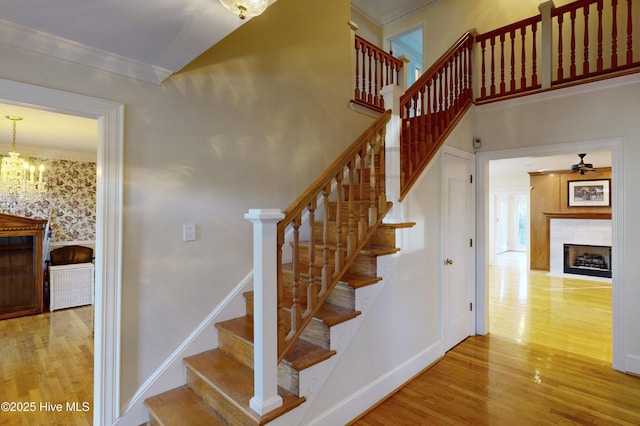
(264, 214)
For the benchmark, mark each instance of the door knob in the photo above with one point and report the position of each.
(448, 262)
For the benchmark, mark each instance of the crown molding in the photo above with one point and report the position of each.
(49, 153)
(398, 13)
(46, 44)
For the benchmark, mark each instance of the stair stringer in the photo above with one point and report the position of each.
(312, 379)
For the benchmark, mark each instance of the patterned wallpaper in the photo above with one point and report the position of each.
(70, 200)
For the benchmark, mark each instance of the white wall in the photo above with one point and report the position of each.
(401, 333)
(247, 125)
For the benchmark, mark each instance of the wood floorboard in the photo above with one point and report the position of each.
(46, 369)
(545, 361)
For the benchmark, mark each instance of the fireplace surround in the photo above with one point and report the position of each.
(571, 230)
(588, 260)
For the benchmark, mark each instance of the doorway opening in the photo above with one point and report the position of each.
(107, 304)
(490, 261)
(409, 44)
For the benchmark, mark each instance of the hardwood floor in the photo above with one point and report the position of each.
(46, 368)
(563, 313)
(546, 360)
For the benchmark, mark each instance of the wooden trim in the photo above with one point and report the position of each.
(557, 215)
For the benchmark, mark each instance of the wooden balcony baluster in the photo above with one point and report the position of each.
(629, 34)
(614, 34)
(503, 87)
(483, 87)
(523, 77)
(599, 63)
(560, 64)
(512, 80)
(492, 87)
(572, 66)
(585, 63)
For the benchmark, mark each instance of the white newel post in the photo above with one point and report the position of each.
(265, 309)
(391, 95)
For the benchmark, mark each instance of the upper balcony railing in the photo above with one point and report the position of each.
(374, 69)
(583, 40)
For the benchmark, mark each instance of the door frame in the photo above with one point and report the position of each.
(472, 288)
(482, 229)
(108, 248)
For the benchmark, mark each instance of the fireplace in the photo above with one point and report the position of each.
(589, 260)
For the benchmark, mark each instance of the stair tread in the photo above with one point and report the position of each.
(235, 380)
(241, 327)
(328, 313)
(358, 280)
(304, 354)
(181, 406)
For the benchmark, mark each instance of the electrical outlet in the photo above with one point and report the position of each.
(189, 232)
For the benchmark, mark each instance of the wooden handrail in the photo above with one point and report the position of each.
(432, 107)
(361, 171)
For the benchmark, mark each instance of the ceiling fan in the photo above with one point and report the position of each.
(582, 167)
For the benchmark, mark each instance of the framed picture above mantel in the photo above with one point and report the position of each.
(589, 193)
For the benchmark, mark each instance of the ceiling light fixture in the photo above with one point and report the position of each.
(244, 8)
(18, 180)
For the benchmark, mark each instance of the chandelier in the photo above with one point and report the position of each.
(244, 8)
(19, 180)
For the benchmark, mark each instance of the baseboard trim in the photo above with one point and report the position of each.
(379, 389)
(171, 373)
(632, 364)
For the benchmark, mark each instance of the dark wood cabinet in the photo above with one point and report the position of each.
(21, 243)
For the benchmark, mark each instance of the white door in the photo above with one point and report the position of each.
(458, 260)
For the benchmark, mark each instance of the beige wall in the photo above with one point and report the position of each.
(248, 125)
(367, 29)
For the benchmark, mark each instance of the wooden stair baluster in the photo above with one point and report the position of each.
(351, 221)
(325, 240)
(312, 289)
(339, 256)
(296, 313)
(362, 223)
(373, 208)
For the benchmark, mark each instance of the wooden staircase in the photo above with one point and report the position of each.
(219, 382)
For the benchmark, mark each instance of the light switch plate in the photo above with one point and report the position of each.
(189, 232)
